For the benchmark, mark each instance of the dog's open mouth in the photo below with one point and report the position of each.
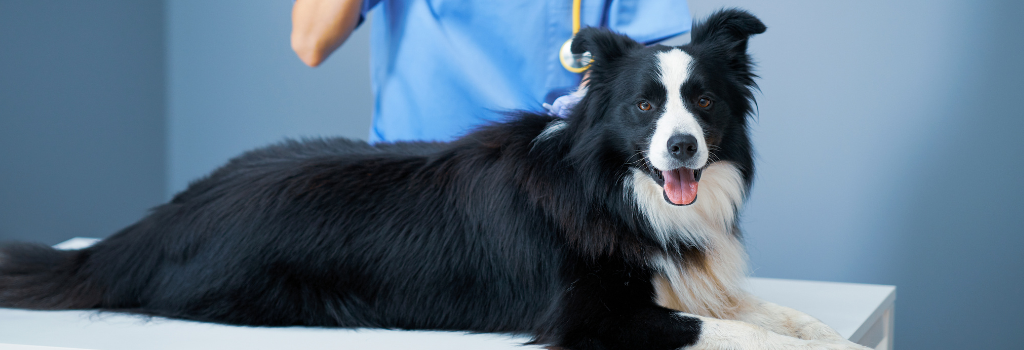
(679, 185)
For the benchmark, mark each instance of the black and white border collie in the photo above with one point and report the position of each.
(612, 229)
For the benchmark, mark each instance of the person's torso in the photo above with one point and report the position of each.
(441, 67)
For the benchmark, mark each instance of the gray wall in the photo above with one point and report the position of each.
(107, 108)
(889, 153)
(234, 84)
(81, 116)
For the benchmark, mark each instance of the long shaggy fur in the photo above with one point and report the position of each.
(500, 231)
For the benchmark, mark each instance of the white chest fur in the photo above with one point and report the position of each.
(710, 283)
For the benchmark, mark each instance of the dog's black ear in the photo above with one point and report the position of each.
(605, 46)
(729, 28)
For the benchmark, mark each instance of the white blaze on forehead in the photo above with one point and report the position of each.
(674, 67)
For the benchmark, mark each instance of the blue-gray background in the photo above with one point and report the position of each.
(888, 135)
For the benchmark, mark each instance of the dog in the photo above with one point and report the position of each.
(614, 228)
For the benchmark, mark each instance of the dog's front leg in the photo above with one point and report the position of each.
(789, 322)
(652, 328)
(718, 334)
(610, 307)
(593, 323)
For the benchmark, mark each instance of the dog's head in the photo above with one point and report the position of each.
(672, 111)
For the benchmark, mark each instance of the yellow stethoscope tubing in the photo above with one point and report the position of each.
(567, 64)
(576, 16)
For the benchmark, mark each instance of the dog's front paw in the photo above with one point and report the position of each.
(840, 345)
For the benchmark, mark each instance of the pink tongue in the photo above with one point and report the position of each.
(680, 186)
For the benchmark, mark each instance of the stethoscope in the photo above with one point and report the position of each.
(576, 63)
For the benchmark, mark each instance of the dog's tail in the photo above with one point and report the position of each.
(35, 276)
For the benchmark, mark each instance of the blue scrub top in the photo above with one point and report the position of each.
(441, 67)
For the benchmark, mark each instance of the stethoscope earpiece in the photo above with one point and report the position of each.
(574, 62)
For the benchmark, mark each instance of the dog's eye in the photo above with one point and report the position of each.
(644, 106)
(704, 102)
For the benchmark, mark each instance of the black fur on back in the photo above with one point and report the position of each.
(498, 231)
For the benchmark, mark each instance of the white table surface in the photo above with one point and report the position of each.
(849, 308)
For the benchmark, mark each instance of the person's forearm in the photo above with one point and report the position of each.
(321, 26)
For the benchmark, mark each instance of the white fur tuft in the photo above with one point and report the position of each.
(713, 284)
(719, 194)
(549, 131)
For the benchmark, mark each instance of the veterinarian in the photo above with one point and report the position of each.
(440, 67)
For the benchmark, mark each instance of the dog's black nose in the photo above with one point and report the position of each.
(682, 146)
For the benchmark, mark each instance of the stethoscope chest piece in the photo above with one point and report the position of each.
(576, 63)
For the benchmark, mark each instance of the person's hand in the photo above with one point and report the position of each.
(563, 105)
(320, 26)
